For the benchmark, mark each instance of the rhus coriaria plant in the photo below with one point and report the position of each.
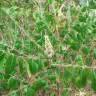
(47, 48)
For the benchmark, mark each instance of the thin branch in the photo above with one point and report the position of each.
(72, 66)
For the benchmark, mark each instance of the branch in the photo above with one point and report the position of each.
(72, 66)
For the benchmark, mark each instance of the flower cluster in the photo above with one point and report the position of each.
(48, 47)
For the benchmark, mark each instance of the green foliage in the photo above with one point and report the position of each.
(70, 25)
(10, 65)
(33, 66)
(81, 80)
(2, 54)
(93, 80)
(30, 92)
(40, 83)
(13, 83)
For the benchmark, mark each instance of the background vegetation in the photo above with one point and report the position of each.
(47, 48)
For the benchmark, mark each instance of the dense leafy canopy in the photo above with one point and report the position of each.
(47, 47)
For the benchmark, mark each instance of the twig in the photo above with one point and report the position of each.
(70, 65)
